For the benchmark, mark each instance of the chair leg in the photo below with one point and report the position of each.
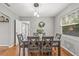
(49, 53)
(42, 53)
(28, 53)
(59, 51)
(19, 51)
(23, 51)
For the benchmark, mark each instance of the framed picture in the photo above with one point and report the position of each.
(4, 19)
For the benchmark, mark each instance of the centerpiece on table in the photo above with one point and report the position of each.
(40, 30)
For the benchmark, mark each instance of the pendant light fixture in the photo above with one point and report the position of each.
(36, 12)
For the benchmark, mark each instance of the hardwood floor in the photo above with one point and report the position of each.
(9, 52)
(13, 52)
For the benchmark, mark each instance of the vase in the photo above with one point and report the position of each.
(40, 35)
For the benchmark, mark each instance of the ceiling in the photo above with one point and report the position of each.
(45, 9)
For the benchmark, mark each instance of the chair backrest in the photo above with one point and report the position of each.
(33, 38)
(35, 34)
(55, 43)
(47, 38)
(58, 36)
(33, 41)
(20, 38)
(47, 41)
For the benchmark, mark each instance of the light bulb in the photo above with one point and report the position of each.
(37, 15)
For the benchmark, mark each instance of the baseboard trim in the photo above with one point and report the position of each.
(4, 45)
(11, 45)
(69, 51)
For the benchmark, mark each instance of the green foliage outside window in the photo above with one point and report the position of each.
(70, 24)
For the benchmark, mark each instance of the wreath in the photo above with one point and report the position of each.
(41, 24)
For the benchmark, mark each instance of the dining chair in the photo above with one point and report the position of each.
(56, 48)
(46, 48)
(57, 36)
(57, 44)
(22, 44)
(33, 46)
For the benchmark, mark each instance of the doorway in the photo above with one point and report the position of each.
(21, 27)
(25, 29)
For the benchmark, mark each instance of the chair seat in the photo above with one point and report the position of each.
(55, 43)
(34, 53)
(46, 48)
(21, 45)
(34, 48)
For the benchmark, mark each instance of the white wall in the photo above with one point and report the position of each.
(34, 24)
(68, 42)
(7, 29)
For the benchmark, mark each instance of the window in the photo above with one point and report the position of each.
(70, 23)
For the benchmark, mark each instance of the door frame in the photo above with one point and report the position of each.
(14, 32)
(25, 28)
